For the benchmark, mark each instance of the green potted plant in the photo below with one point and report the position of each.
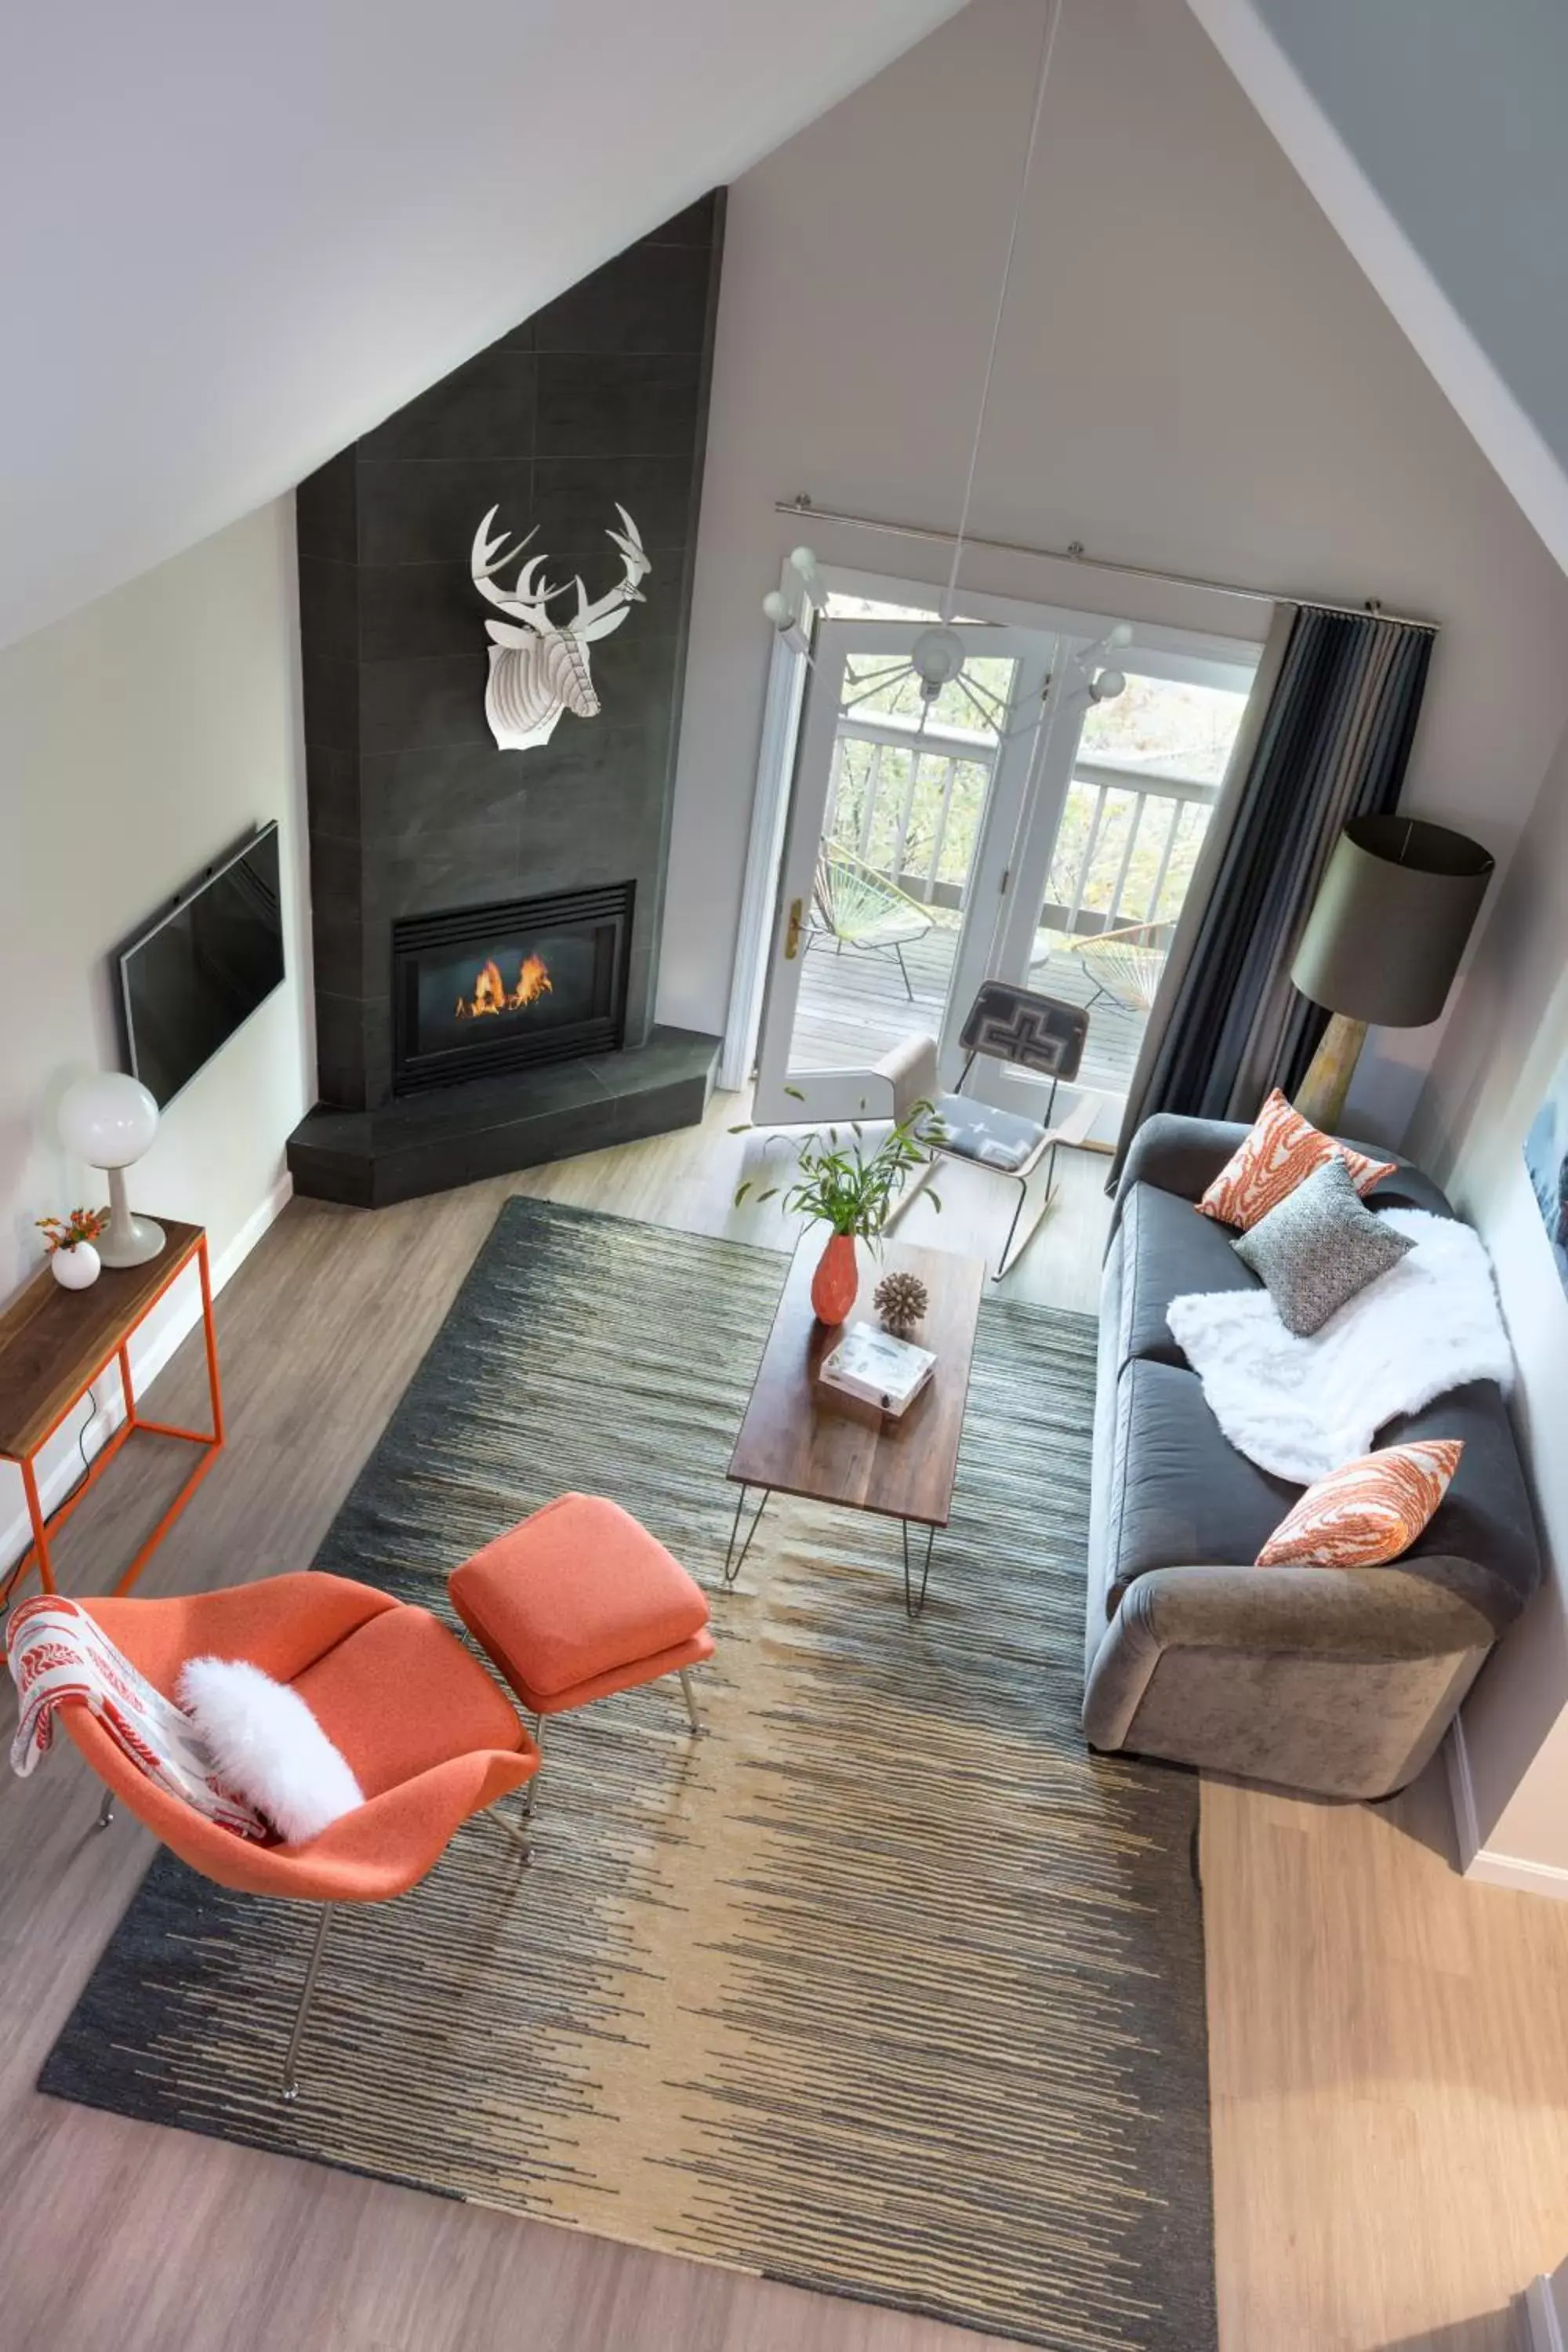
(852, 1191)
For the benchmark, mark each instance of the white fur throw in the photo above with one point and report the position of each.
(267, 1745)
(1300, 1407)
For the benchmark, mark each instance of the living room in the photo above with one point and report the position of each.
(492, 527)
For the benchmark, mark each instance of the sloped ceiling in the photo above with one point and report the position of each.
(1430, 132)
(234, 237)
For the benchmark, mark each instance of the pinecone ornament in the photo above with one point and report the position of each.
(900, 1299)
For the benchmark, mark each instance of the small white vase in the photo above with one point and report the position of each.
(76, 1268)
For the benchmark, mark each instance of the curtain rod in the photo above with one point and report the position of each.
(1371, 611)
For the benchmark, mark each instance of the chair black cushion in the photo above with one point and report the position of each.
(1016, 1024)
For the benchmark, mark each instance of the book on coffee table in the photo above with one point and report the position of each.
(871, 1366)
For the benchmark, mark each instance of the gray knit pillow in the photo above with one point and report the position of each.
(1318, 1248)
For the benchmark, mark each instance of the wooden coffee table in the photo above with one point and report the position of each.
(790, 1443)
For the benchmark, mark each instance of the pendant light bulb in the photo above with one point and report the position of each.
(1106, 685)
(936, 658)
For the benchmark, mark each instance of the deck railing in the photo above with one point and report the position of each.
(1126, 848)
(911, 806)
(908, 802)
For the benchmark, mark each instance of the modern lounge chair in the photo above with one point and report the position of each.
(1036, 1033)
(430, 1736)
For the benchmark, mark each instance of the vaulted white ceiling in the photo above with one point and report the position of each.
(232, 237)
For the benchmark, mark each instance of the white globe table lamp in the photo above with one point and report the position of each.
(109, 1121)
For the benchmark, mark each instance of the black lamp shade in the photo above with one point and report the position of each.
(1396, 906)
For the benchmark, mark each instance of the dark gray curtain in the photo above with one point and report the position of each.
(1326, 737)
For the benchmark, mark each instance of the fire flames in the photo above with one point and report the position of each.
(492, 993)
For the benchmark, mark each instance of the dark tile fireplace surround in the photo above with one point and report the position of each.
(525, 888)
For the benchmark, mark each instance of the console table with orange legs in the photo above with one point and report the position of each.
(55, 1343)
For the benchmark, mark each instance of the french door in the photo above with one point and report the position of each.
(897, 858)
(1019, 826)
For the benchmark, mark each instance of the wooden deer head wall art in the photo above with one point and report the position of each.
(538, 667)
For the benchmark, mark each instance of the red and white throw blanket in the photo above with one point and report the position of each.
(56, 1652)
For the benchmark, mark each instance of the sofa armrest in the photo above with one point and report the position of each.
(1378, 1615)
(1343, 1613)
(1177, 1155)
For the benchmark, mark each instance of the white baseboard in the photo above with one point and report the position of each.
(1546, 2321)
(1481, 1864)
(153, 1348)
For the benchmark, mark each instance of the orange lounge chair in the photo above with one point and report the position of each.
(430, 1736)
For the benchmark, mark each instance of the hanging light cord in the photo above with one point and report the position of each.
(950, 596)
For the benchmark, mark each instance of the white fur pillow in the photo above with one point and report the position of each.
(265, 1742)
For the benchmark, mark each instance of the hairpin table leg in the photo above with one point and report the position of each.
(733, 1561)
(913, 1602)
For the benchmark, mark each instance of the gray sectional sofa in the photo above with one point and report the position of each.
(1332, 1680)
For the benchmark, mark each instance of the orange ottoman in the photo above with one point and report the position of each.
(579, 1601)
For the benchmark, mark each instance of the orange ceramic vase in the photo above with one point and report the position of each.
(837, 1280)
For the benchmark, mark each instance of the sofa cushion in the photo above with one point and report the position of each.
(1485, 1523)
(1182, 1496)
(1167, 1249)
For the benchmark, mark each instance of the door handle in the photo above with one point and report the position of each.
(792, 931)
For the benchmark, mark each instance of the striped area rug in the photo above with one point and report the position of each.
(886, 1988)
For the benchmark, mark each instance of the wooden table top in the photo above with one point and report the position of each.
(54, 1341)
(791, 1443)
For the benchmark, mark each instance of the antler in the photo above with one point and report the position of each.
(524, 601)
(592, 621)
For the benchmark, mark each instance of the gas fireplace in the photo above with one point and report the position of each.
(498, 988)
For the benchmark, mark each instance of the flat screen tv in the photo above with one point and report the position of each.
(190, 977)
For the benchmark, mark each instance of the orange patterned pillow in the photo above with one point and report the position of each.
(1280, 1152)
(1366, 1512)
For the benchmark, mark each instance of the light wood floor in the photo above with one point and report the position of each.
(1389, 2046)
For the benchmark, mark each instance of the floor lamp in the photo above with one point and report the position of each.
(1383, 941)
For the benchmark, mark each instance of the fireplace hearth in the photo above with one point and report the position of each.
(484, 989)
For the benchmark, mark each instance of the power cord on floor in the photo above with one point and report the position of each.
(5, 1590)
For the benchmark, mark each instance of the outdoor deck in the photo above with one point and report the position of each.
(853, 1006)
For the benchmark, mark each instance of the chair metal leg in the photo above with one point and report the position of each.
(312, 1969)
(904, 969)
(1022, 1183)
(106, 1811)
(699, 1728)
(1004, 1264)
(515, 1832)
(530, 1794)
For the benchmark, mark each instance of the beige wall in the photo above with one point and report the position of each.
(139, 738)
(1507, 1035)
(1194, 373)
